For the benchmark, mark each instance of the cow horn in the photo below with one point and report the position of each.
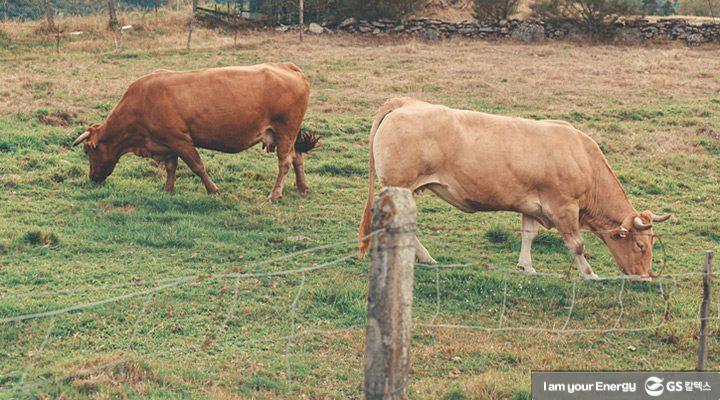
(81, 138)
(640, 225)
(661, 218)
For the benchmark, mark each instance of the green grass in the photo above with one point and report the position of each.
(224, 337)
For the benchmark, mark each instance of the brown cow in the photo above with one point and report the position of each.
(167, 114)
(550, 172)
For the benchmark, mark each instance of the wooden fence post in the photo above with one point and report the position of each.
(390, 296)
(705, 313)
(302, 18)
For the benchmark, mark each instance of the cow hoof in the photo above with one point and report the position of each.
(589, 277)
(274, 198)
(528, 270)
(303, 191)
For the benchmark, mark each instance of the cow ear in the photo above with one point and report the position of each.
(92, 142)
(92, 139)
(619, 233)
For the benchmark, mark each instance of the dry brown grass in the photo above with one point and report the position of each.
(353, 75)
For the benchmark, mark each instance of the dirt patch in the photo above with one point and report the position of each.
(109, 371)
(59, 118)
(706, 131)
(124, 209)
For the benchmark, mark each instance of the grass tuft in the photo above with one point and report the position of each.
(497, 235)
(40, 238)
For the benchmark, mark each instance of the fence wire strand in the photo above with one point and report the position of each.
(170, 282)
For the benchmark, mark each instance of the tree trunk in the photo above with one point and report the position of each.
(112, 16)
(49, 17)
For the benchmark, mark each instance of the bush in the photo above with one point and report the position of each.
(286, 11)
(484, 10)
(700, 8)
(658, 7)
(596, 18)
(374, 9)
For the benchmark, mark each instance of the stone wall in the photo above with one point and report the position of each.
(528, 30)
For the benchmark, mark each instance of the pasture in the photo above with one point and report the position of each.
(655, 111)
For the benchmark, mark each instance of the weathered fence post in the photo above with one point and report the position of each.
(389, 309)
(302, 18)
(705, 313)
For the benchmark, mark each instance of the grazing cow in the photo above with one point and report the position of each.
(551, 173)
(167, 114)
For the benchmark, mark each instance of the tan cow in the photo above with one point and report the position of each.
(550, 172)
(167, 114)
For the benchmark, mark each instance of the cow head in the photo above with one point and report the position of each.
(631, 243)
(103, 157)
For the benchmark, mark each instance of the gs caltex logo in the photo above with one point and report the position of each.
(626, 385)
(654, 386)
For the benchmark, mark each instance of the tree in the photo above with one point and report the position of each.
(112, 15)
(484, 10)
(597, 18)
(49, 17)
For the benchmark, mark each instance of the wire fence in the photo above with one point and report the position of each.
(666, 284)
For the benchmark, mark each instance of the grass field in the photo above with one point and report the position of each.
(654, 110)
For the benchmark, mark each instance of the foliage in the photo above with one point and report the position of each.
(597, 18)
(144, 4)
(374, 9)
(286, 11)
(484, 10)
(658, 7)
(33, 9)
(701, 8)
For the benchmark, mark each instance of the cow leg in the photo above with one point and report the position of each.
(567, 222)
(528, 233)
(170, 167)
(300, 173)
(421, 254)
(285, 153)
(192, 159)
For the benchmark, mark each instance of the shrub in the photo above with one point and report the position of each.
(286, 11)
(596, 18)
(658, 7)
(700, 8)
(374, 9)
(484, 10)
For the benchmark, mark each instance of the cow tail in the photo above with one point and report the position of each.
(306, 141)
(366, 221)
